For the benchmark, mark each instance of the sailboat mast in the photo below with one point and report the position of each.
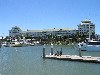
(89, 32)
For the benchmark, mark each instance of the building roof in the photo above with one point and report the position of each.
(45, 30)
(86, 21)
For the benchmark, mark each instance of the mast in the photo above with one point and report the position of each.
(89, 32)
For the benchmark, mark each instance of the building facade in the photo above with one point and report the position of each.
(53, 32)
(15, 31)
(86, 27)
(83, 29)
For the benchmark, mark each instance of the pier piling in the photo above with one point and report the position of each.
(51, 49)
(80, 51)
(44, 51)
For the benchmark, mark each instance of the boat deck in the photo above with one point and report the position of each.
(75, 58)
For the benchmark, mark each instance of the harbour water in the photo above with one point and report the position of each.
(28, 61)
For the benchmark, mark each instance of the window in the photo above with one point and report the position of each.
(14, 32)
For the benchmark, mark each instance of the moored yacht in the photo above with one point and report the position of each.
(90, 46)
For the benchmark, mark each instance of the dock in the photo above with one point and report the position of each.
(59, 56)
(74, 58)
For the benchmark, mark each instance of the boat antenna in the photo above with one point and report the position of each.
(89, 32)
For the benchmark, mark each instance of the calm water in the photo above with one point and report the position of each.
(28, 61)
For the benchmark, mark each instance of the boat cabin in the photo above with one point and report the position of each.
(94, 43)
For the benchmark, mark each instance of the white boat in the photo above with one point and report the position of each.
(89, 46)
(32, 44)
(13, 43)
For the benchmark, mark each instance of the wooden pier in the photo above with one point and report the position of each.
(60, 56)
(74, 58)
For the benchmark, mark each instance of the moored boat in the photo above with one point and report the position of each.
(90, 46)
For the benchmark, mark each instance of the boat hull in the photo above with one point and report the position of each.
(85, 47)
(90, 48)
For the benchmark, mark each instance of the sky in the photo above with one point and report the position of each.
(47, 14)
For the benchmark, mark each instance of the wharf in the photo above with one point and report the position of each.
(74, 58)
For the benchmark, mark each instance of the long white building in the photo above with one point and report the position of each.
(83, 28)
(55, 32)
(16, 31)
